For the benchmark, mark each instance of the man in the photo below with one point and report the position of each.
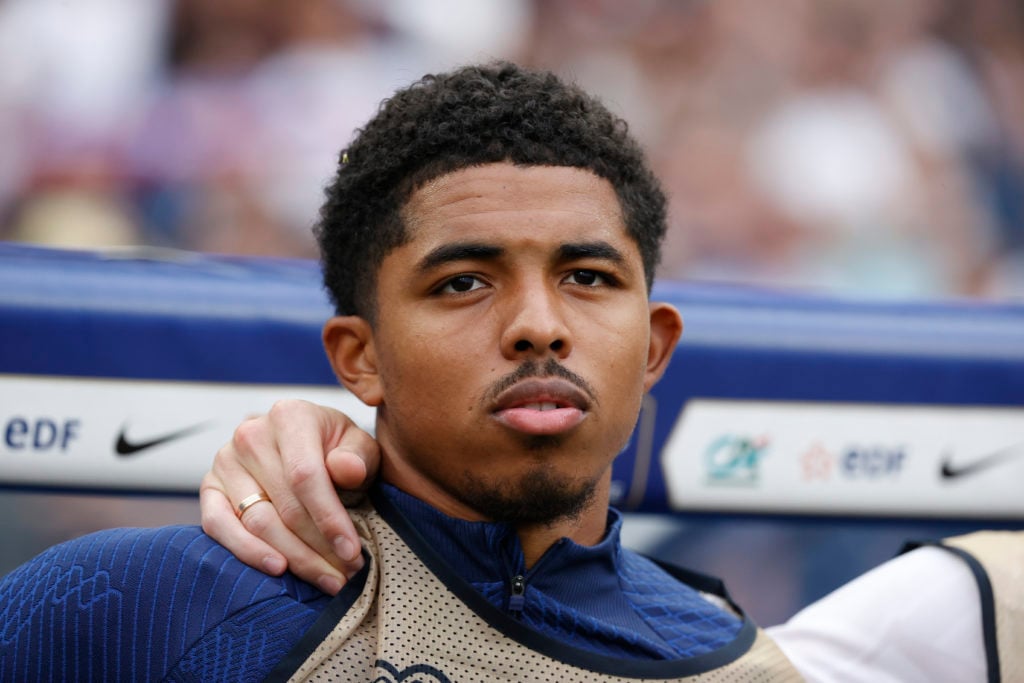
(484, 324)
(489, 242)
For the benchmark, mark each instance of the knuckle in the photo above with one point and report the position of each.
(322, 519)
(301, 471)
(221, 463)
(210, 521)
(292, 513)
(285, 407)
(246, 436)
(258, 520)
(206, 484)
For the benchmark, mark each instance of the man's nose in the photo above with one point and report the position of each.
(536, 324)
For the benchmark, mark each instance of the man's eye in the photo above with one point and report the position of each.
(588, 278)
(461, 283)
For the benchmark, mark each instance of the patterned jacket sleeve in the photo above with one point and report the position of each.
(147, 605)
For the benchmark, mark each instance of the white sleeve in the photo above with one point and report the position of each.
(914, 618)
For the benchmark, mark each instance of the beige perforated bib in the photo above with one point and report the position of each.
(408, 625)
(1001, 556)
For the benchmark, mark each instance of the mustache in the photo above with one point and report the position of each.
(531, 368)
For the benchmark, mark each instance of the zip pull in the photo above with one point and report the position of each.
(518, 598)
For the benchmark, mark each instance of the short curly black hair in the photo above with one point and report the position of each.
(499, 112)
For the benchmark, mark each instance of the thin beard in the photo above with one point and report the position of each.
(536, 498)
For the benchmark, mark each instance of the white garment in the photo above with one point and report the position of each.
(914, 618)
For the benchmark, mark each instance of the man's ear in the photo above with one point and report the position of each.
(666, 328)
(348, 341)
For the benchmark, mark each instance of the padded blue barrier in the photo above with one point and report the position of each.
(89, 339)
(161, 315)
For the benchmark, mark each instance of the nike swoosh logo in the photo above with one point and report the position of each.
(951, 471)
(125, 447)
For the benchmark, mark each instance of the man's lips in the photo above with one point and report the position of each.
(541, 406)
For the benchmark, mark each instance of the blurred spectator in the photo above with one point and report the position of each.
(991, 33)
(69, 74)
(848, 145)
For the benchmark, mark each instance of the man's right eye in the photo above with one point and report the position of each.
(460, 284)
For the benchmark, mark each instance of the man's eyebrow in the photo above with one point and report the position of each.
(594, 250)
(458, 251)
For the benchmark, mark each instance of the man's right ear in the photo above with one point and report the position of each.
(348, 341)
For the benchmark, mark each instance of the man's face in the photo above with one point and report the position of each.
(513, 343)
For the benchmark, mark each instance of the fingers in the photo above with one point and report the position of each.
(311, 505)
(305, 525)
(259, 537)
(353, 462)
(219, 521)
(308, 563)
(352, 465)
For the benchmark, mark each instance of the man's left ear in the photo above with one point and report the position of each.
(666, 328)
(348, 341)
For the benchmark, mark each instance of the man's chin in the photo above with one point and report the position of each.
(539, 496)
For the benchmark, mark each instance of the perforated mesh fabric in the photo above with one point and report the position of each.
(602, 597)
(413, 628)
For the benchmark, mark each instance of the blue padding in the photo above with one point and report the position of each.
(165, 315)
(184, 316)
(180, 316)
(175, 315)
(758, 344)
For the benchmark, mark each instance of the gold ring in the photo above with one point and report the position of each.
(249, 501)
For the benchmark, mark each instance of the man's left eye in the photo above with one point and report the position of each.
(588, 278)
(461, 283)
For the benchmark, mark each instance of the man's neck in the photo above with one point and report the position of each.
(586, 528)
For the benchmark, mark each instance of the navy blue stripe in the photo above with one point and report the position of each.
(337, 608)
(987, 599)
(988, 611)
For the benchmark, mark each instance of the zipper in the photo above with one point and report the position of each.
(517, 594)
(517, 599)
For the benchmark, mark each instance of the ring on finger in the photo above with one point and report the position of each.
(249, 501)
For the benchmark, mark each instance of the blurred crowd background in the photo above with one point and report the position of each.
(857, 146)
(863, 147)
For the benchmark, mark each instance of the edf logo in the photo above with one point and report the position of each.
(871, 462)
(40, 433)
(853, 462)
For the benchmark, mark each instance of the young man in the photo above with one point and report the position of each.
(489, 242)
(487, 291)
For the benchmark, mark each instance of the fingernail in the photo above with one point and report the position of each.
(328, 584)
(274, 565)
(345, 549)
(355, 566)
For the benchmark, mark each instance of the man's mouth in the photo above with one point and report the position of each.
(547, 405)
(541, 406)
